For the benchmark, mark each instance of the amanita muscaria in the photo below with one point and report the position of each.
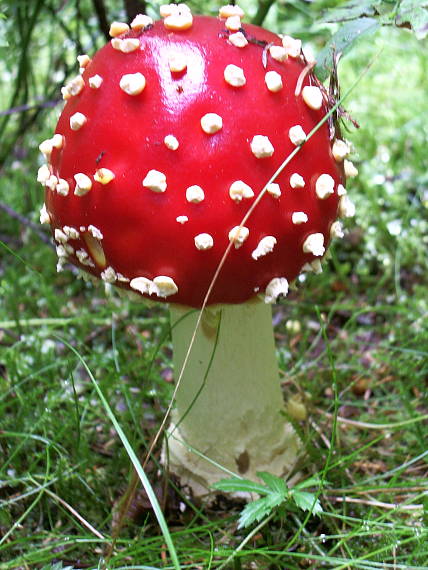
(169, 136)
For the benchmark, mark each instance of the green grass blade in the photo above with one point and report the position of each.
(134, 459)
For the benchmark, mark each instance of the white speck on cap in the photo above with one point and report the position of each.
(70, 232)
(261, 146)
(109, 275)
(43, 174)
(313, 267)
(279, 53)
(118, 28)
(132, 83)
(204, 241)
(95, 81)
(177, 17)
(164, 286)
(77, 121)
(95, 232)
(239, 190)
(340, 150)
(324, 186)
(274, 189)
(46, 148)
(127, 45)
(60, 236)
(83, 61)
(292, 46)
(238, 39)
(44, 215)
(238, 235)
(62, 187)
(51, 182)
(155, 180)
(83, 184)
(177, 63)
(171, 142)
(57, 141)
(273, 81)
(195, 194)
(346, 207)
(336, 230)
(63, 250)
(350, 170)
(297, 135)
(341, 190)
(141, 284)
(104, 175)
(233, 23)
(84, 258)
(312, 96)
(181, 219)
(299, 218)
(314, 244)
(140, 22)
(230, 10)
(73, 88)
(276, 287)
(234, 75)
(297, 181)
(264, 247)
(211, 123)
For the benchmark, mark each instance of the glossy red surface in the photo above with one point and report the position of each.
(124, 133)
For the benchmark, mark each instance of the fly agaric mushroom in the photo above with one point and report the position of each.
(169, 138)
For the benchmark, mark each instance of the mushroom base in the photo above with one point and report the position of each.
(227, 417)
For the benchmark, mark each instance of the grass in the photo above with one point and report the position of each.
(352, 345)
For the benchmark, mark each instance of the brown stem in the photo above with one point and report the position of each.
(262, 11)
(134, 7)
(101, 13)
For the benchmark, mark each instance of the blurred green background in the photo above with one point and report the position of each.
(352, 343)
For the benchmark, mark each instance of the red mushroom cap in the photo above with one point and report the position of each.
(166, 140)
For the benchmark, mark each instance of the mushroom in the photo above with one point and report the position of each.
(159, 180)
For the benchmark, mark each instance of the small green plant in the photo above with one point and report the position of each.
(274, 494)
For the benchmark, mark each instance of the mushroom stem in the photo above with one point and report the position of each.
(229, 402)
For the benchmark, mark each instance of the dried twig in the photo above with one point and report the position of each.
(27, 223)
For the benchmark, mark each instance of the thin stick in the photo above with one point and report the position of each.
(365, 425)
(26, 222)
(75, 514)
(374, 503)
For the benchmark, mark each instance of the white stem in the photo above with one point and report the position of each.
(229, 402)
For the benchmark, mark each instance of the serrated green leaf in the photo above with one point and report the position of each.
(342, 41)
(307, 502)
(254, 512)
(415, 14)
(276, 484)
(237, 485)
(273, 500)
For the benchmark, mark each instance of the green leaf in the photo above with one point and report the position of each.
(275, 484)
(415, 14)
(237, 485)
(307, 502)
(351, 10)
(254, 512)
(342, 41)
